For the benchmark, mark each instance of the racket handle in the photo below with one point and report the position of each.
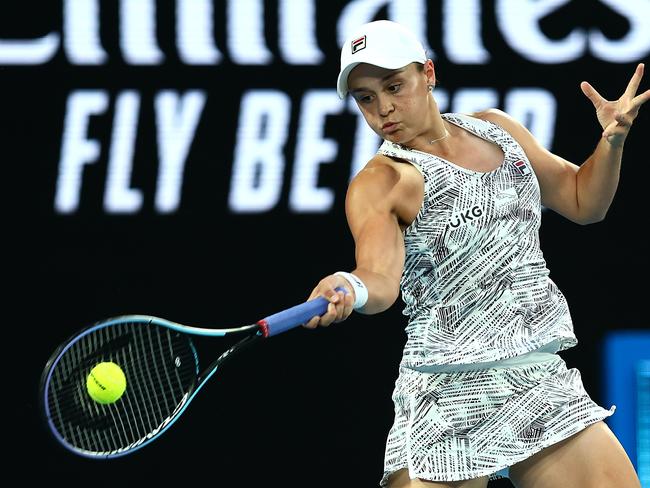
(293, 317)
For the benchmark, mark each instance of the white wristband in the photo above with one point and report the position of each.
(360, 290)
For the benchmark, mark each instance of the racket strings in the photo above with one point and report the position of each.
(160, 366)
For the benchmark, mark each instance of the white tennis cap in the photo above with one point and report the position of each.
(382, 43)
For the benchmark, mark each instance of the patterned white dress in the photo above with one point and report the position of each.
(480, 386)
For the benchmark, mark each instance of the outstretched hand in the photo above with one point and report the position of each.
(616, 116)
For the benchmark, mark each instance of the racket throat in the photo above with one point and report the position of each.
(264, 328)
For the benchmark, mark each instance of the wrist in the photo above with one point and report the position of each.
(615, 140)
(358, 287)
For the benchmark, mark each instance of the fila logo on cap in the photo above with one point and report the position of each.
(358, 44)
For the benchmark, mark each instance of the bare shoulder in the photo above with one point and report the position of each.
(500, 118)
(384, 172)
(511, 125)
(388, 184)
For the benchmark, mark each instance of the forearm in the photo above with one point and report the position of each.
(383, 290)
(597, 181)
(379, 256)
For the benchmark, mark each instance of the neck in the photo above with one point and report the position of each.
(444, 136)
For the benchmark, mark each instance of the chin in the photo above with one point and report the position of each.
(396, 139)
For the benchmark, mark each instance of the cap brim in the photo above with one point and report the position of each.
(342, 81)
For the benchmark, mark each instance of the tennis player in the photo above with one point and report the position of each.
(448, 212)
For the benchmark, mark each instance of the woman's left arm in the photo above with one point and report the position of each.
(583, 193)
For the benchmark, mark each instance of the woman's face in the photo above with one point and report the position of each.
(395, 103)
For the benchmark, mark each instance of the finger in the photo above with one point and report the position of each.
(616, 127)
(591, 93)
(641, 99)
(343, 307)
(623, 119)
(633, 85)
(349, 304)
(312, 323)
(329, 316)
(316, 320)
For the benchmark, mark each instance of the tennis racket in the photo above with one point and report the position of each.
(161, 366)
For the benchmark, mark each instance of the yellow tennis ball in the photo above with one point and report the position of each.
(106, 383)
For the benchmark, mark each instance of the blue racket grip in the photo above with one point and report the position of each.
(293, 317)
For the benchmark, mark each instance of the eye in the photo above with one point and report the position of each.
(395, 87)
(364, 98)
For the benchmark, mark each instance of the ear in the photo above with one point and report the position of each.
(430, 72)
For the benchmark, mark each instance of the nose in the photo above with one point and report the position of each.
(385, 105)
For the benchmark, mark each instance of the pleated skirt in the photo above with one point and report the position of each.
(460, 425)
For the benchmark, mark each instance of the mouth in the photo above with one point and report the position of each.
(389, 127)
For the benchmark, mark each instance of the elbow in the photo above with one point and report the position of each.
(593, 218)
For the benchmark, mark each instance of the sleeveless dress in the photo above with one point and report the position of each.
(480, 386)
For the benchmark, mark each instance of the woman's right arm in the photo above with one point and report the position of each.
(371, 202)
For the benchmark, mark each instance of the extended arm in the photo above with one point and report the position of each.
(372, 208)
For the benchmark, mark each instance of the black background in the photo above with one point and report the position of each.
(307, 408)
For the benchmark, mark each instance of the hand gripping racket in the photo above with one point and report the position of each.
(161, 367)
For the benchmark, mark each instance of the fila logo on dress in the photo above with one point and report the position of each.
(521, 165)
